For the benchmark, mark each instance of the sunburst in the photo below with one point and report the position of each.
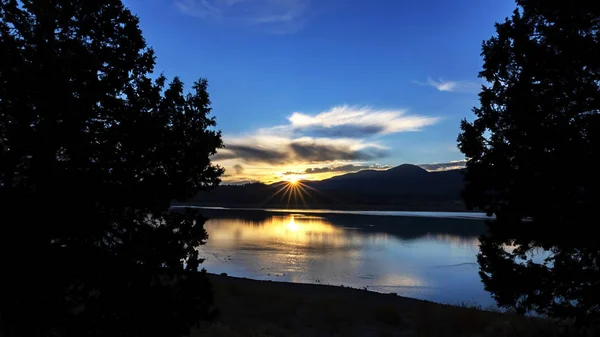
(292, 190)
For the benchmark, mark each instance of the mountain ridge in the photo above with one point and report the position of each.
(404, 187)
(403, 169)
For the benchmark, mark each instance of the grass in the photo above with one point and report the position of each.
(263, 308)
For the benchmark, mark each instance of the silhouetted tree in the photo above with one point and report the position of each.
(92, 152)
(532, 154)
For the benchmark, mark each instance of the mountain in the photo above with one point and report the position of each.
(403, 187)
(403, 179)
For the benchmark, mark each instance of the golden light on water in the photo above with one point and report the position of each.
(310, 230)
(293, 229)
(292, 225)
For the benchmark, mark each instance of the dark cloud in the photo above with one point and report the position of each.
(313, 152)
(305, 151)
(316, 170)
(291, 173)
(239, 169)
(345, 131)
(249, 153)
(453, 165)
(240, 182)
(343, 168)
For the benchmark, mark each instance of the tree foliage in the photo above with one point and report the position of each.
(93, 149)
(532, 153)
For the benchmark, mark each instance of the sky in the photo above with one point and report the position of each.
(306, 89)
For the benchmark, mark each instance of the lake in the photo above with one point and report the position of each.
(430, 256)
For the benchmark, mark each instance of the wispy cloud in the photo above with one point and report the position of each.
(452, 165)
(339, 169)
(339, 134)
(452, 86)
(278, 16)
(273, 150)
(199, 8)
(341, 139)
(356, 122)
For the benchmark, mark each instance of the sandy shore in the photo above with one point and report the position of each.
(263, 308)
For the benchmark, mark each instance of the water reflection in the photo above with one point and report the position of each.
(433, 259)
(290, 229)
(456, 240)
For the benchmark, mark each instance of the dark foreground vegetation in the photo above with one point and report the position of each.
(93, 149)
(533, 149)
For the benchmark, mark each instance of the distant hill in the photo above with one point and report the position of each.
(403, 179)
(405, 187)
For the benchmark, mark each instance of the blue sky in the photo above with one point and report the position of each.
(303, 86)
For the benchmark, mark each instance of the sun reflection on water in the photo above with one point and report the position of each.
(292, 229)
(292, 225)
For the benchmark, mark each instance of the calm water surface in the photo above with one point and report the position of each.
(431, 258)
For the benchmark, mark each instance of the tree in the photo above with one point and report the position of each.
(531, 155)
(92, 152)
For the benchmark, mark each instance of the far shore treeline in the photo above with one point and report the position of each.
(406, 187)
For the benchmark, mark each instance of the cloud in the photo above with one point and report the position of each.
(452, 86)
(281, 16)
(239, 169)
(452, 165)
(357, 122)
(241, 182)
(292, 173)
(434, 167)
(339, 169)
(199, 8)
(341, 139)
(277, 150)
(314, 150)
(252, 154)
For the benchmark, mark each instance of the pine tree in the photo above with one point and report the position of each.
(532, 152)
(93, 149)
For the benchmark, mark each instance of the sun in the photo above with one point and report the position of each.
(293, 179)
(294, 188)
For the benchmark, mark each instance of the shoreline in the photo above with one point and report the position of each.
(406, 207)
(466, 215)
(313, 289)
(249, 307)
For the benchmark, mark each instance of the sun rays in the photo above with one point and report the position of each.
(293, 191)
